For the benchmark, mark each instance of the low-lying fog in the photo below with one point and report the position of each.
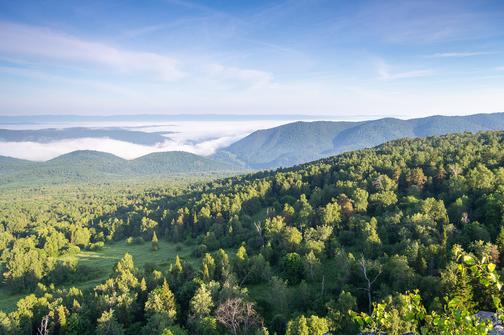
(202, 138)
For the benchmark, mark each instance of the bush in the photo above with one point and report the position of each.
(96, 246)
(200, 250)
(135, 240)
(293, 267)
(72, 250)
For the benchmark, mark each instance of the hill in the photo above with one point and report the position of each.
(300, 142)
(10, 164)
(87, 161)
(93, 166)
(176, 162)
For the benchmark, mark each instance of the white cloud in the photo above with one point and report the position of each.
(386, 73)
(48, 77)
(28, 41)
(44, 151)
(201, 138)
(254, 77)
(500, 68)
(460, 54)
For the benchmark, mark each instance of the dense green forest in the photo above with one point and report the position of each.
(94, 166)
(404, 237)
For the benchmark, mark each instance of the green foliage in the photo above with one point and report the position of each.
(154, 242)
(395, 318)
(312, 325)
(331, 214)
(300, 142)
(161, 301)
(174, 330)
(408, 314)
(92, 166)
(403, 228)
(201, 302)
(293, 267)
(108, 325)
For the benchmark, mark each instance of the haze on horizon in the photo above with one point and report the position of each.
(394, 58)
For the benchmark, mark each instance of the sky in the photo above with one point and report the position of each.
(335, 58)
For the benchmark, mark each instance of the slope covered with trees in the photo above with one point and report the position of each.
(404, 237)
(10, 165)
(95, 166)
(300, 142)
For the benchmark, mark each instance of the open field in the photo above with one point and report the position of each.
(101, 264)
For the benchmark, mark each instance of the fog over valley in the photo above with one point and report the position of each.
(198, 137)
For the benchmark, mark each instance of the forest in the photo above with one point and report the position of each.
(406, 237)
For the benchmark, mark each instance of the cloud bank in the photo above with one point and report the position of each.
(201, 138)
(45, 151)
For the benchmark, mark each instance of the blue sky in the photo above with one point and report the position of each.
(337, 58)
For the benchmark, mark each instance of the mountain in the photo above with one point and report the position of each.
(177, 162)
(55, 134)
(280, 146)
(9, 164)
(51, 119)
(88, 159)
(300, 142)
(87, 165)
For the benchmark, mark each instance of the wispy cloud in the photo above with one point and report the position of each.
(137, 32)
(385, 72)
(65, 80)
(423, 22)
(29, 41)
(461, 54)
(251, 76)
(500, 68)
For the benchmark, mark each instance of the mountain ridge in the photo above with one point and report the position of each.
(300, 142)
(47, 135)
(91, 165)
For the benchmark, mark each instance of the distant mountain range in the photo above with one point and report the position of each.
(41, 119)
(86, 165)
(300, 142)
(282, 146)
(55, 134)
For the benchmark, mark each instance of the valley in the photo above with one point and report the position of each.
(195, 167)
(421, 217)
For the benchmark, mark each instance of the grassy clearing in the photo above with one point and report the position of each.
(8, 301)
(102, 262)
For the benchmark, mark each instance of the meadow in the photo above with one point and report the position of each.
(99, 264)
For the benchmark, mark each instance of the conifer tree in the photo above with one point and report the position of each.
(155, 242)
(201, 302)
(108, 325)
(161, 301)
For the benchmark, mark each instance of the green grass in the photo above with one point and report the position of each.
(8, 300)
(102, 262)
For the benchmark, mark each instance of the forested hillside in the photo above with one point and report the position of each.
(95, 166)
(404, 237)
(300, 142)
